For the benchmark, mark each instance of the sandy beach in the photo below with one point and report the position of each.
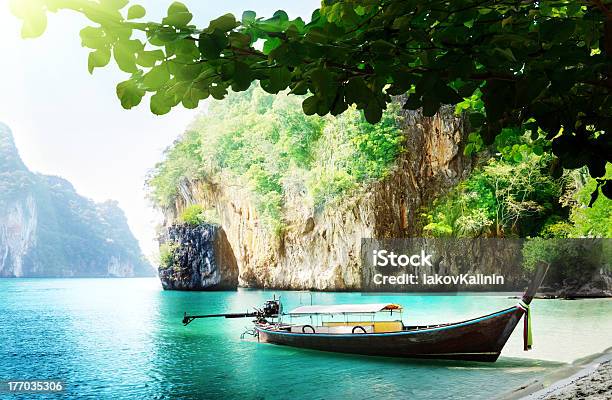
(588, 378)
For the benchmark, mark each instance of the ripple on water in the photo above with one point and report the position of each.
(124, 339)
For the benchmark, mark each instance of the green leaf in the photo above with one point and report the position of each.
(97, 59)
(34, 25)
(94, 38)
(248, 16)
(22, 9)
(178, 15)
(321, 81)
(280, 16)
(445, 94)
(529, 89)
(159, 104)
(594, 196)
(125, 58)
(597, 167)
(129, 94)
(373, 112)
(156, 77)
(211, 44)
(163, 35)
(357, 92)
(271, 44)
(218, 91)
(186, 72)
(413, 103)
(430, 106)
(242, 77)
(114, 4)
(299, 88)
(505, 53)
(470, 149)
(192, 97)
(310, 104)
(136, 11)
(476, 120)
(278, 80)
(239, 40)
(224, 23)
(149, 58)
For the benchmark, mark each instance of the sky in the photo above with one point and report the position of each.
(69, 123)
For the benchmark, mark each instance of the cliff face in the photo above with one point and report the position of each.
(321, 249)
(199, 258)
(47, 229)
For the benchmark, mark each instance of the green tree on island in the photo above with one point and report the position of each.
(543, 68)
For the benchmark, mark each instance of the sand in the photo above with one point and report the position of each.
(590, 378)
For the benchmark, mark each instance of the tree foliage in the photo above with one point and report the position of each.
(502, 198)
(514, 193)
(569, 259)
(265, 144)
(540, 66)
(593, 221)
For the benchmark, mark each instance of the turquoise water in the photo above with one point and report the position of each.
(123, 338)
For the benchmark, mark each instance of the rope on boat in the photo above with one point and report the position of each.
(527, 337)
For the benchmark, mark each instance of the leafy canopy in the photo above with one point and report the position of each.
(265, 144)
(503, 198)
(544, 64)
(514, 194)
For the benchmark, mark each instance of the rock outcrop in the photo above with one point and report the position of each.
(48, 230)
(197, 258)
(321, 249)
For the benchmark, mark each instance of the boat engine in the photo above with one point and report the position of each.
(270, 309)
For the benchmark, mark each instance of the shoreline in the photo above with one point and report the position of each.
(569, 380)
(508, 294)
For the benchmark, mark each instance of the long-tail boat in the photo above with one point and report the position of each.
(476, 339)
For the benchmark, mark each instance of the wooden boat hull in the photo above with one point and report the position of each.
(478, 339)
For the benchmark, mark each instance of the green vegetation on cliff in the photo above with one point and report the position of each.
(516, 192)
(266, 143)
(195, 215)
(47, 229)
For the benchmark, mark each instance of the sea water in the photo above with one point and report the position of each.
(123, 338)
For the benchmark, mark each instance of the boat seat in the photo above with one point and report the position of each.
(376, 327)
(388, 326)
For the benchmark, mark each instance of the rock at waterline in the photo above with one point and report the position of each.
(197, 258)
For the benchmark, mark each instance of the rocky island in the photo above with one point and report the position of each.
(296, 195)
(48, 230)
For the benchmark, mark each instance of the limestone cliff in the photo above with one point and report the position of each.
(198, 258)
(48, 230)
(321, 249)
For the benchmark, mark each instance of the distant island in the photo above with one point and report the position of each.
(48, 230)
